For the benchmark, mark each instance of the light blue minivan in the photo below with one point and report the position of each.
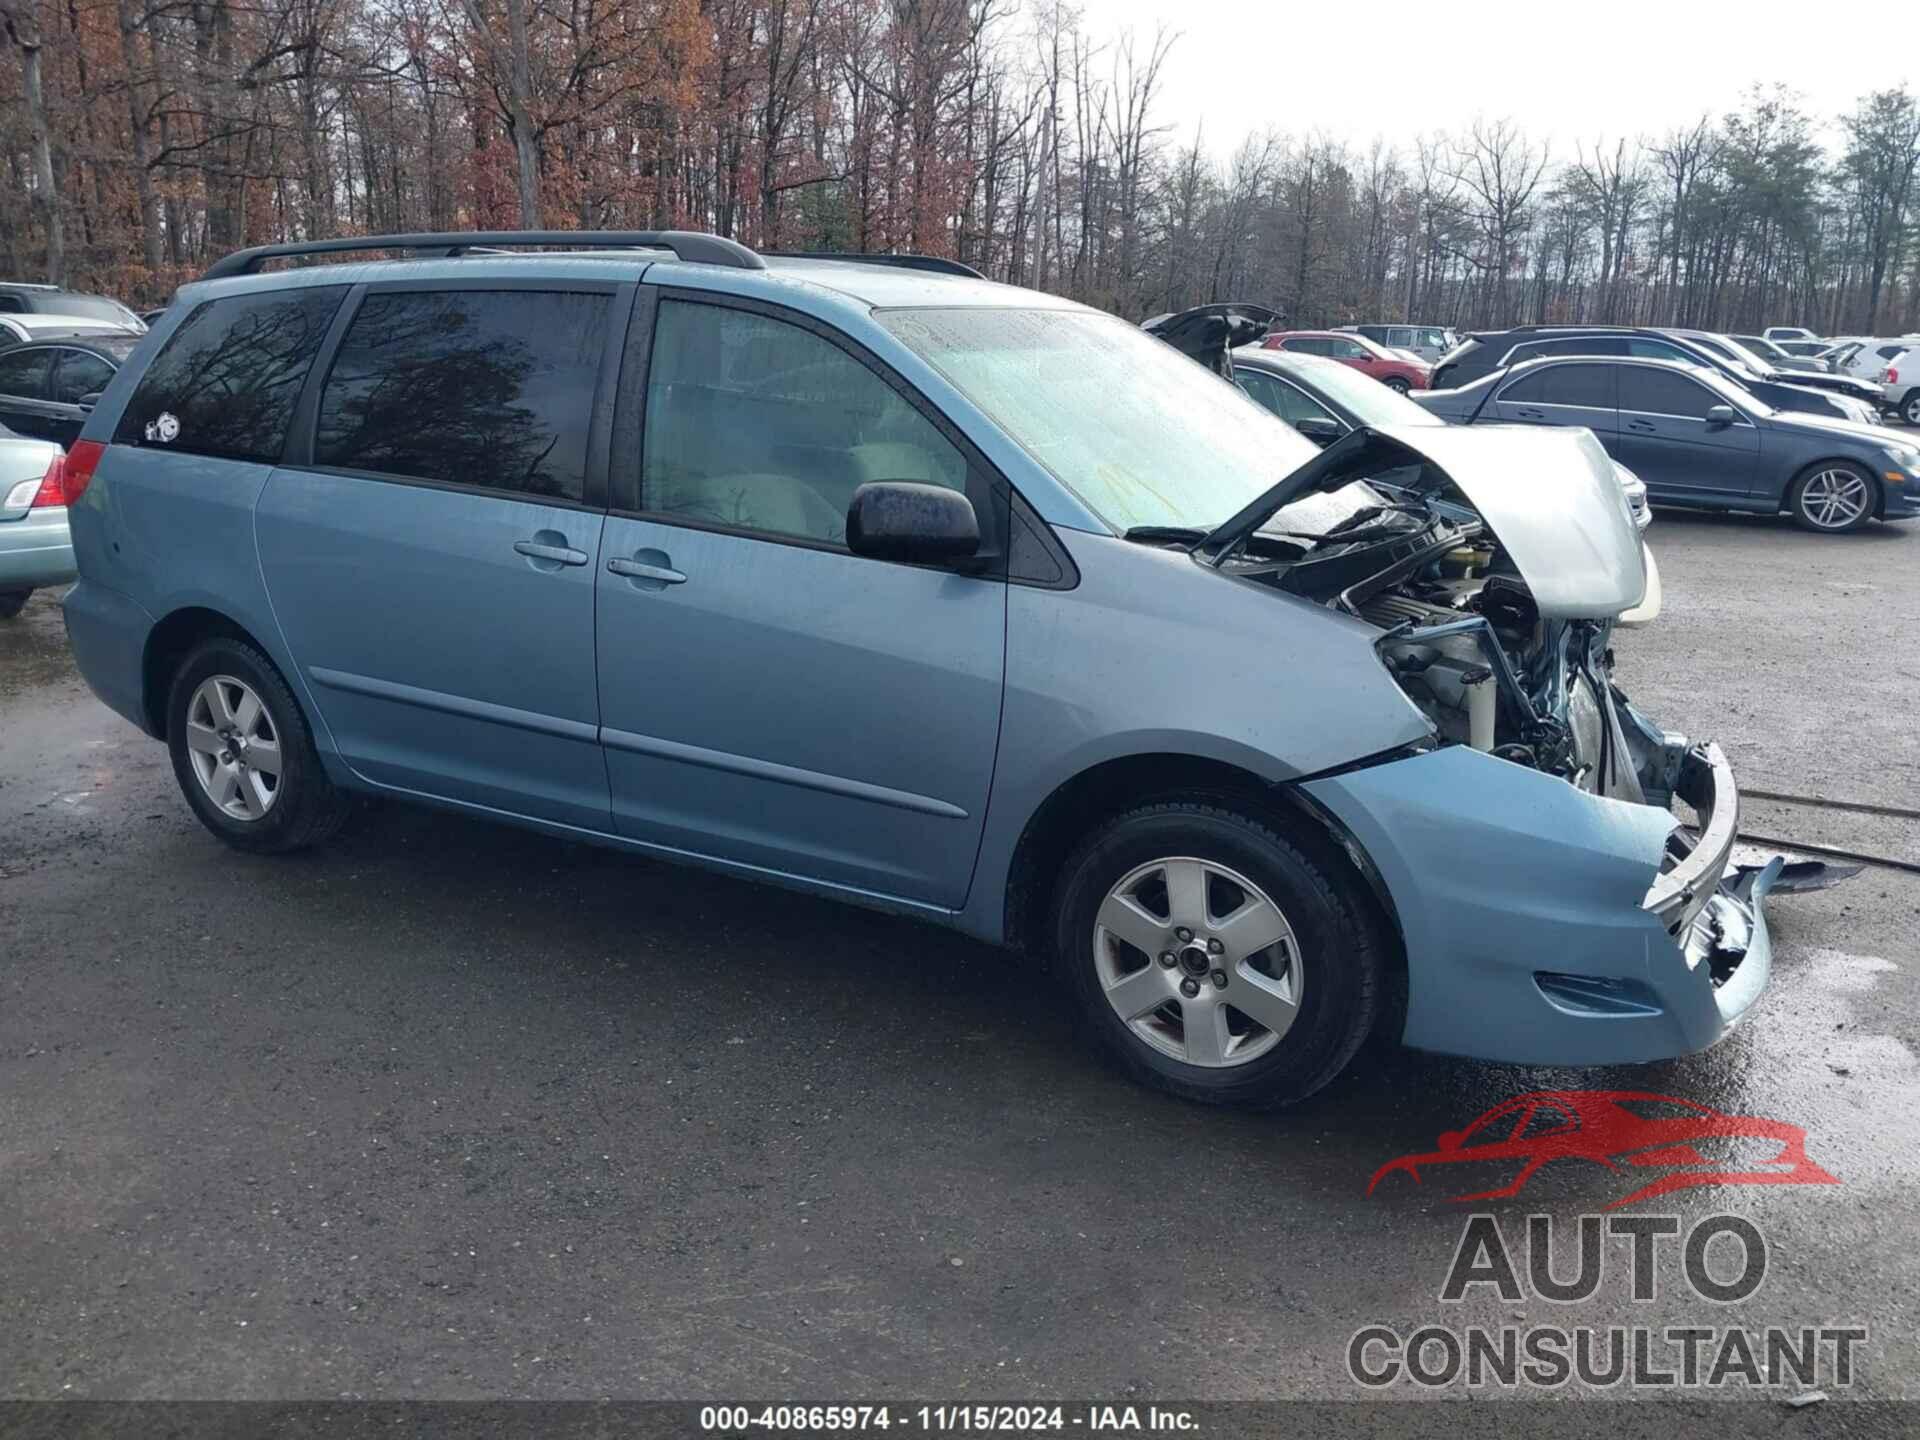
(876, 579)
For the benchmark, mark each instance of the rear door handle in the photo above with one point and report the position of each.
(1527, 412)
(558, 554)
(640, 570)
(1642, 427)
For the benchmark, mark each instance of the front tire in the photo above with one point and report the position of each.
(243, 753)
(12, 602)
(1832, 498)
(1214, 958)
(1397, 385)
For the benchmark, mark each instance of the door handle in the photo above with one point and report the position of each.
(558, 554)
(1642, 427)
(1527, 412)
(641, 570)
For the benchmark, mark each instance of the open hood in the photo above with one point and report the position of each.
(1549, 495)
(1208, 332)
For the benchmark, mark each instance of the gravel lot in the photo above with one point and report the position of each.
(448, 1110)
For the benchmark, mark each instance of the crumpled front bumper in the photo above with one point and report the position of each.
(1546, 925)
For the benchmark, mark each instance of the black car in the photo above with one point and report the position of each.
(1325, 400)
(1728, 348)
(19, 298)
(1484, 352)
(1695, 438)
(47, 387)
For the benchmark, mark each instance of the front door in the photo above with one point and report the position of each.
(432, 563)
(1667, 440)
(769, 698)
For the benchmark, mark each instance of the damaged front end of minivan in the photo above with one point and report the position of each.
(1555, 907)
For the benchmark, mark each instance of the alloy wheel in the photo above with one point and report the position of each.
(1198, 962)
(233, 747)
(1835, 499)
(1910, 411)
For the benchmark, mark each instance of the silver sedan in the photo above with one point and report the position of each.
(35, 547)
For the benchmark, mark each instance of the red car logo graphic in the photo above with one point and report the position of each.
(1625, 1131)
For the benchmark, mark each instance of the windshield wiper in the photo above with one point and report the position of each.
(1150, 534)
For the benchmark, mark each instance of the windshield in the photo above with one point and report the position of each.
(1371, 402)
(1141, 434)
(1741, 399)
(90, 307)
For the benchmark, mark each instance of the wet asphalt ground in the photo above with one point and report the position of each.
(448, 1110)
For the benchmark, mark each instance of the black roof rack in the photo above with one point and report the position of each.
(685, 245)
(938, 265)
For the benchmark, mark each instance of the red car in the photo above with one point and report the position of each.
(1618, 1129)
(1390, 367)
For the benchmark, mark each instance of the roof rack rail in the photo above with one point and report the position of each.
(937, 264)
(685, 244)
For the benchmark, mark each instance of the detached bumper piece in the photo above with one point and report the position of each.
(1716, 921)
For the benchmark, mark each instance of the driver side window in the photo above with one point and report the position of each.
(757, 424)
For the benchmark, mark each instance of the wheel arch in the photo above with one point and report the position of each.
(1113, 786)
(169, 642)
(1852, 462)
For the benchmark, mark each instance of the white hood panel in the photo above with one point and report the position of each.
(1553, 499)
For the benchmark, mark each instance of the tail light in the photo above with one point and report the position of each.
(1892, 376)
(70, 474)
(53, 485)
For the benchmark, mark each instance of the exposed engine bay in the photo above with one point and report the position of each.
(1465, 639)
(1496, 587)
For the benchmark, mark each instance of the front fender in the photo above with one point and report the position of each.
(1155, 654)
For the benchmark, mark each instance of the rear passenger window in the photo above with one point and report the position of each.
(226, 381)
(1655, 392)
(485, 388)
(756, 424)
(24, 373)
(1584, 386)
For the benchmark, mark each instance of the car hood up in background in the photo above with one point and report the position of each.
(1208, 333)
(1550, 495)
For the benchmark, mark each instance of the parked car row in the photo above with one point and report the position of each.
(1686, 416)
(1841, 397)
(19, 298)
(1695, 437)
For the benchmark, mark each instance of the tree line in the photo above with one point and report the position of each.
(144, 137)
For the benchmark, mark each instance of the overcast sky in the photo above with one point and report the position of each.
(1395, 69)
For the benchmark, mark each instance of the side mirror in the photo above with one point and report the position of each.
(1320, 430)
(90, 399)
(1450, 1140)
(900, 520)
(1719, 417)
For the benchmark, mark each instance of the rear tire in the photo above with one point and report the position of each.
(1312, 995)
(1833, 497)
(1910, 408)
(12, 602)
(243, 753)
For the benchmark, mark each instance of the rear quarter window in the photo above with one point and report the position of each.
(488, 389)
(226, 381)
